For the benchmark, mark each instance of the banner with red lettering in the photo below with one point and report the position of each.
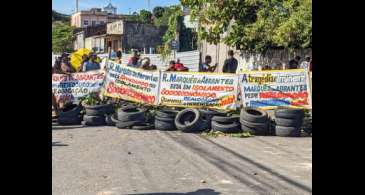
(131, 84)
(270, 89)
(72, 87)
(198, 90)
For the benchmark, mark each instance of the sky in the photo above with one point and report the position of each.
(68, 6)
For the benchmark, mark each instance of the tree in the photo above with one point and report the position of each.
(145, 16)
(62, 37)
(158, 12)
(163, 20)
(254, 25)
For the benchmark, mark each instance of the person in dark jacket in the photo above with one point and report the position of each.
(206, 67)
(230, 64)
(294, 63)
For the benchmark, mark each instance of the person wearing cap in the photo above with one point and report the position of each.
(305, 63)
(91, 64)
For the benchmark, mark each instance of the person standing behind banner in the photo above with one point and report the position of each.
(294, 63)
(305, 63)
(119, 57)
(91, 64)
(230, 64)
(133, 61)
(146, 64)
(205, 67)
(171, 66)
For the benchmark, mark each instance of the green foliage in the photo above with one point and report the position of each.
(158, 11)
(254, 25)
(145, 16)
(211, 133)
(60, 17)
(163, 20)
(174, 25)
(62, 37)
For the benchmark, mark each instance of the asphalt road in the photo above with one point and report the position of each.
(109, 161)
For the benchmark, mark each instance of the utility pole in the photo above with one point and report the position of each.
(77, 5)
(149, 9)
(129, 11)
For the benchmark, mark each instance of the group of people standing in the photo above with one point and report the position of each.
(231, 63)
(63, 65)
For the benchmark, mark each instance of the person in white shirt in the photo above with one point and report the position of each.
(305, 63)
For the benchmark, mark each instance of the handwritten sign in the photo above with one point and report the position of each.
(187, 89)
(131, 84)
(71, 87)
(270, 89)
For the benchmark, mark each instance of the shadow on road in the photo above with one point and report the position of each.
(58, 144)
(198, 192)
(66, 127)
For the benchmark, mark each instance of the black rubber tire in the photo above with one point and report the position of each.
(205, 125)
(96, 110)
(71, 112)
(147, 126)
(226, 128)
(110, 109)
(254, 115)
(226, 119)
(289, 113)
(166, 113)
(126, 107)
(188, 120)
(211, 113)
(287, 131)
(128, 124)
(296, 122)
(136, 114)
(69, 120)
(109, 121)
(256, 128)
(165, 119)
(165, 126)
(94, 120)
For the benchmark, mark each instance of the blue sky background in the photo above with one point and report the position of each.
(68, 6)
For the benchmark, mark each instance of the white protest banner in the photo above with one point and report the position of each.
(131, 84)
(270, 89)
(198, 90)
(72, 87)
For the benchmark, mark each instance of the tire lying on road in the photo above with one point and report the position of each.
(74, 120)
(226, 119)
(288, 122)
(296, 122)
(96, 110)
(226, 128)
(71, 111)
(94, 120)
(253, 115)
(132, 113)
(109, 121)
(128, 124)
(188, 120)
(166, 113)
(110, 109)
(164, 125)
(255, 128)
(255, 121)
(287, 131)
(289, 113)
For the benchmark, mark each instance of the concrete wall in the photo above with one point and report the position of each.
(139, 36)
(219, 54)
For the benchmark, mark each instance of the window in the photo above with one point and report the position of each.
(93, 23)
(86, 22)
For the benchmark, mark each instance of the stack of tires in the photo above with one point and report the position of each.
(164, 119)
(96, 115)
(189, 120)
(288, 122)
(131, 117)
(307, 123)
(226, 124)
(207, 115)
(70, 115)
(255, 121)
